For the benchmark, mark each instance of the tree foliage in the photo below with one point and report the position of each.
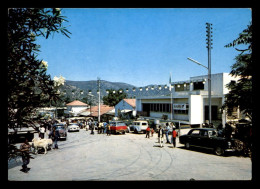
(114, 97)
(241, 91)
(29, 86)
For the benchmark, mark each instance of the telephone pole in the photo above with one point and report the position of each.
(209, 47)
(98, 83)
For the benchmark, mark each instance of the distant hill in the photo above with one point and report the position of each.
(79, 89)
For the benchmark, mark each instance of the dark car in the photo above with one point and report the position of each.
(207, 138)
(62, 130)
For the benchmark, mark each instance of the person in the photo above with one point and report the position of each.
(25, 149)
(55, 136)
(160, 136)
(42, 131)
(167, 133)
(228, 131)
(99, 127)
(105, 127)
(92, 127)
(108, 130)
(174, 135)
(147, 132)
(152, 131)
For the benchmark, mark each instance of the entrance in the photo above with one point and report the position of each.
(146, 108)
(214, 112)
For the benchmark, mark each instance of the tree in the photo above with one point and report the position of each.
(114, 97)
(29, 86)
(240, 93)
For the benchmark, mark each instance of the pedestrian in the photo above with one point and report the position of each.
(55, 136)
(105, 127)
(152, 131)
(108, 130)
(228, 131)
(99, 127)
(42, 132)
(92, 128)
(167, 130)
(25, 149)
(174, 135)
(147, 132)
(160, 136)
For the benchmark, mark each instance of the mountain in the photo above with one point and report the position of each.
(80, 89)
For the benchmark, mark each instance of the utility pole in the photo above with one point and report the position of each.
(98, 83)
(209, 47)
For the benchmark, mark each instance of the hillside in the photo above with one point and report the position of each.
(80, 89)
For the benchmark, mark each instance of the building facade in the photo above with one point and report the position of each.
(187, 101)
(126, 106)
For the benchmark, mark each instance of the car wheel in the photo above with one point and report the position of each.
(219, 151)
(187, 145)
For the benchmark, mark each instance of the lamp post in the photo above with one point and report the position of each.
(209, 84)
(98, 82)
(209, 47)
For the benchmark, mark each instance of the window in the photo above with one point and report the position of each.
(195, 132)
(144, 124)
(198, 86)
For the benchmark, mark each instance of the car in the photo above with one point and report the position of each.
(207, 138)
(62, 130)
(139, 126)
(118, 127)
(73, 127)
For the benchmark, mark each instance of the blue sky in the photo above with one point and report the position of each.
(141, 46)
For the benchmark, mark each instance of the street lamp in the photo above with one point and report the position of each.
(209, 84)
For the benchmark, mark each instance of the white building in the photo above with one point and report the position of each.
(189, 100)
(75, 107)
(126, 106)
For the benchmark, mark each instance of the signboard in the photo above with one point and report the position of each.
(179, 106)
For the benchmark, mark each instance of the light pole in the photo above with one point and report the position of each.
(209, 47)
(98, 82)
(209, 84)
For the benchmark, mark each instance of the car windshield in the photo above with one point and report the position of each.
(59, 127)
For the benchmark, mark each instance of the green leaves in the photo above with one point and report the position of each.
(240, 93)
(29, 86)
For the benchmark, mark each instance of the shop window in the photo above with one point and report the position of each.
(198, 86)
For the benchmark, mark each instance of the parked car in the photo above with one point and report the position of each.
(62, 130)
(207, 138)
(73, 127)
(118, 127)
(139, 126)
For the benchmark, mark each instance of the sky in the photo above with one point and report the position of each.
(142, 46)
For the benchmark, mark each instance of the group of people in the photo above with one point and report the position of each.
(102, 127)
(161, 133)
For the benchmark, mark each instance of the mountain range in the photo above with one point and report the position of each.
(80, 89)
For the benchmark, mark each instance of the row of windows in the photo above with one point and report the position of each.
(186, 87)
(157, 107)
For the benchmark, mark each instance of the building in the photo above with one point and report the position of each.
(75, 107)
(126, 106)
(189, 101)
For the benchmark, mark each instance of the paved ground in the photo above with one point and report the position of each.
(128, 157)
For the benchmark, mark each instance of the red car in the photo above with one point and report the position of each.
(118, 127)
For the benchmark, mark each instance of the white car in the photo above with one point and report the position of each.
(73, 127)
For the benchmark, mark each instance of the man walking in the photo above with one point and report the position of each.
(25, 149)
(160, 136)
(167, 133)
(174, 135)
(147, 132)
(55, 136)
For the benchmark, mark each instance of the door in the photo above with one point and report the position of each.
(214, 112)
